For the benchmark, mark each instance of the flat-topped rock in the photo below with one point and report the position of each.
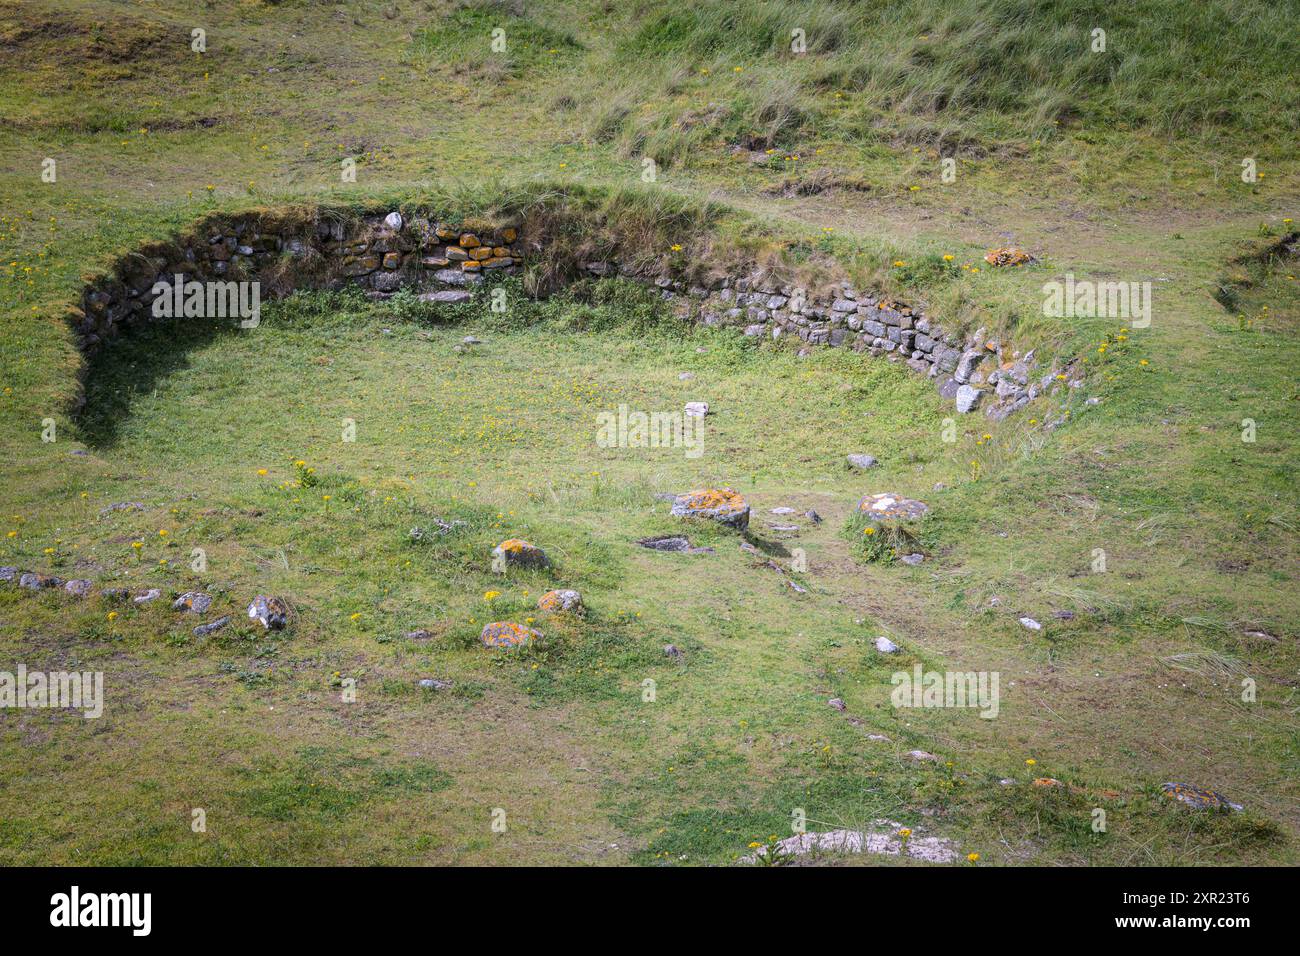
(891, 507)
(723, 505)
(1198, 798)
(862, 462)
(521, 553)
(507, 635)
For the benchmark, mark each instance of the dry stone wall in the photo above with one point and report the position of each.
(443, 262)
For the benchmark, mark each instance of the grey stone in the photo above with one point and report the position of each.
(37, 582)
(968, 398)
(452, 277)
(862, 461)
(194, 602)
(446, 297)
(203, 630)
(271, 612)
(1198, 798)
(966, 365)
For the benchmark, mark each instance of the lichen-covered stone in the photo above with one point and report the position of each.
(507, 635)
(271, 612)
(195, 602)
(521, 553)
(78, 587)
(1198, 798)
(562, 600)
(891, 507)
(723, 505)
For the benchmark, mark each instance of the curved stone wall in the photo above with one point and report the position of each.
(444, 262)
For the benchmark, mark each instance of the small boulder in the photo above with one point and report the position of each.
(862, 462)
(912, 559)
(432, 683)
(203, 630)
(1198, 798)
(886, 646)
(838, 704)
(564, 600)
(696, 409)
(78, 587)
(891, 507)
(507, 635)
(968, 398)
(38, 582)
(271, 612)
(393, 221)
(518, 552)
(1030, 624)
(195, 602)
(146, 597)
(8, 574)
(672, 651)
(723, 505)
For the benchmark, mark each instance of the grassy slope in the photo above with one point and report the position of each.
(1199, 527)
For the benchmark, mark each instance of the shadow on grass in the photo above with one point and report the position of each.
(133, 365)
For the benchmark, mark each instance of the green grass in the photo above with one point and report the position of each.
(1118, 167)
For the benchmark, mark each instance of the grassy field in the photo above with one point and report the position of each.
(1125, 167)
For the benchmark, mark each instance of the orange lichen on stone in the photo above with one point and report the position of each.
(471, 265)
(1008, 256)
(469, 240)
(520, 552)
(509, 235)
(719, 504)
(713, 498)
(557, 601)
(507, 635)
